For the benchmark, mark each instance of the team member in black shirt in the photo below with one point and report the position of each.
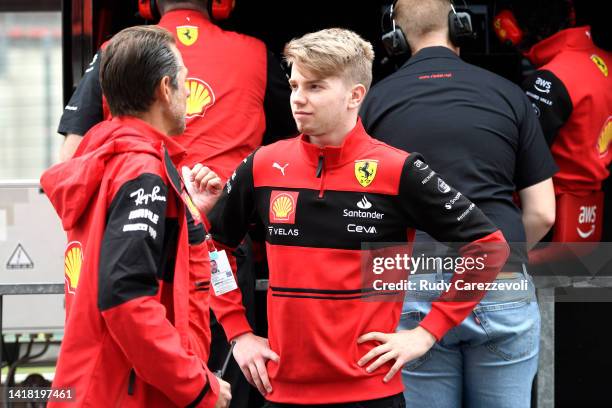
(479, 131)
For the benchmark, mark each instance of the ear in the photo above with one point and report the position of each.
(164, 90)
(356, 97)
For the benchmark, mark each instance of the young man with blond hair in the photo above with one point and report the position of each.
(324, 336)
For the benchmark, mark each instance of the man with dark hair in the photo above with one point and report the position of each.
(478, 130)
(239, 100)
(122, 203)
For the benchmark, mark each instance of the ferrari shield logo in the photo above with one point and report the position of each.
(365, 171)
(187, 35)
(601, 64)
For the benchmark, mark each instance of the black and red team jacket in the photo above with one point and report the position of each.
(127, 339)
(572, 95)
(318, 206)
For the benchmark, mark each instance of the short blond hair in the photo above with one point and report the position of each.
(420, 17)
(333, 52)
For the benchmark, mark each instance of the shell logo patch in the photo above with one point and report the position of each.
(365, 171)
(73, 262)
(201, 97)
(187, 35)
(283, 206)
(605, 137)
(601, 64)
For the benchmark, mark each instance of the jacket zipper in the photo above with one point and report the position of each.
(131, 382)
(321, 174)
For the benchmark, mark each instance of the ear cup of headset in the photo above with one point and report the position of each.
(221, 9)
(460, 27)
(393, 38)
(395, 42)
(148, 9)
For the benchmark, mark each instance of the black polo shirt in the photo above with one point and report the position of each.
(474, 128)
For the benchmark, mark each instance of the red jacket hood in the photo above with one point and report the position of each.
(72, 184)
(544, 51)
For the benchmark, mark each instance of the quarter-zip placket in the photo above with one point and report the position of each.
(321, 172)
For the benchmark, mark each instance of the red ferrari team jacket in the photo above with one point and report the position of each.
(225, 118)
(127, 338)
(225, 110)
(318, 205)
(572, 94)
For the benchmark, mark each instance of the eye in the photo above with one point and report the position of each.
(292, 86)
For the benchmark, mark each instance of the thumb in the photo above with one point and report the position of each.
(187, 179)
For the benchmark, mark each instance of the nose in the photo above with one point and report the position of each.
(297, 97)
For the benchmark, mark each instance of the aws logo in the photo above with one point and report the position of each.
(73, 262)
(588, 215)
(605, 137)
(201, 97)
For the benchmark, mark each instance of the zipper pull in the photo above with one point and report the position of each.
(320, 166)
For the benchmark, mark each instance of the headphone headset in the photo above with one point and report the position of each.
(394, 40)
(217, 9)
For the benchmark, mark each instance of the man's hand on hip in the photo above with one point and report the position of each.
(251, 353)
(403, 346)
(225, 394)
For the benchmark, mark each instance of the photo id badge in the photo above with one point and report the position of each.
(221, 275)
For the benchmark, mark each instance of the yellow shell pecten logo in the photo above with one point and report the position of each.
(201, 97)
(283, 207)
(605, 137)
(601, 64)
(73, 262)
(187, 35)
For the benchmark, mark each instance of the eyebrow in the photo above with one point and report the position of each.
(309, 81)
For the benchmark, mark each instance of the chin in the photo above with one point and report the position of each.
(178, 130)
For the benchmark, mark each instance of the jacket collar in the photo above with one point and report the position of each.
(334, 156)
(578, 38)
(175, 150)
(186, 17)
(429, 53)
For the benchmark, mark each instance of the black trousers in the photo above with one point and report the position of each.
(243, 394)
(394, 401)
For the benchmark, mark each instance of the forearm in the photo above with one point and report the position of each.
(71, 143)
(537, 226)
